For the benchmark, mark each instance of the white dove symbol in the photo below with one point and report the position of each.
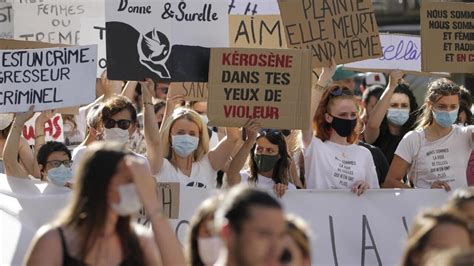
(154, 45)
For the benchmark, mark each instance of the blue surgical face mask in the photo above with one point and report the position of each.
(184, 145)
(445, 118)
(398, 116)
(59, 176)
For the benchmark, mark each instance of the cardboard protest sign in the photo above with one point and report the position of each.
(53, 21)
(262, 31)
(253, 7)
(192, 91)
(400, 51)
(53, 129)
(6, 21)
(169, 195)
(164, 40)
(271, 85)
(345, 30)
(93, 32)
(48, 78)
(447, 37)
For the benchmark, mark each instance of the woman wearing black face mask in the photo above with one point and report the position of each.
(269, 160)
(332, 160)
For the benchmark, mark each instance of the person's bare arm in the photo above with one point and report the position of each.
(219, 156)
(129, 90)
(398, 169)
(11, 149)
(233, 173)
(377, 115)
(154, 150)
(165, 238)
(45, 248)
(318, 88)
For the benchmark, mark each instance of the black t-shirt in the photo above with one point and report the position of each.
(388, 143)
(381, 164)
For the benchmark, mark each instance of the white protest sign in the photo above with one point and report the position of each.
(164, 39)
(47, 78)
(53, 21)
(400, 51)
(253, 7)
(53, 129)
(350, 230)
(93, 32)
(6, 21)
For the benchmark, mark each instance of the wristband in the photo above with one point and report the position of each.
(319, 87)
(39, 136)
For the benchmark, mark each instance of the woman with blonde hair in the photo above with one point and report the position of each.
(332, 158)
(436, 230)
(437, 152)
(180, 150)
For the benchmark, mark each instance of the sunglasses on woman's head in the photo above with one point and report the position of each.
(122, 123)
(275, 132)
(338, 91)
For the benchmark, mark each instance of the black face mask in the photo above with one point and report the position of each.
(343, 127)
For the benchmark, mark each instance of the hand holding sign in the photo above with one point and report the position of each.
(252, 127)
(327, 74)
(21, 118)
(44, 117)
(396, 77)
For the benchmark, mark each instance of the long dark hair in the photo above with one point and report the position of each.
(411, 122)
(86, 214)
(282, 166)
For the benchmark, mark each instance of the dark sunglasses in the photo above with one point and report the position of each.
(338, 91)
(275, 132)
(122, 123)
(57, 163)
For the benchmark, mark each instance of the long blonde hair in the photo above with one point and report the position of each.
(190, 115)
(436, 90)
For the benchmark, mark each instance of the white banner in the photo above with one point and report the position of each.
(47, 78)
(347, 230)
(53, 21)
(402, 52)
(6, 21)
(93, 32)
(53, 129)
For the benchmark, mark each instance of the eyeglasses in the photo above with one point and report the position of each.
(122, 123)
(57, 163)
(275, 132)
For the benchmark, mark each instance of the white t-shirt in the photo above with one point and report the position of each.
(263, 182)
(79, 151)
(77, 154)
(202, 174)
(329, 165)
(444, 159)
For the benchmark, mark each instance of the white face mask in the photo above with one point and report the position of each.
(116, 134)
(129, 200)
(208, 249)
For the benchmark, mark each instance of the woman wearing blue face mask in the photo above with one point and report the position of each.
(180, 150)
(96, 229)
(392, 117)
(435, 155)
